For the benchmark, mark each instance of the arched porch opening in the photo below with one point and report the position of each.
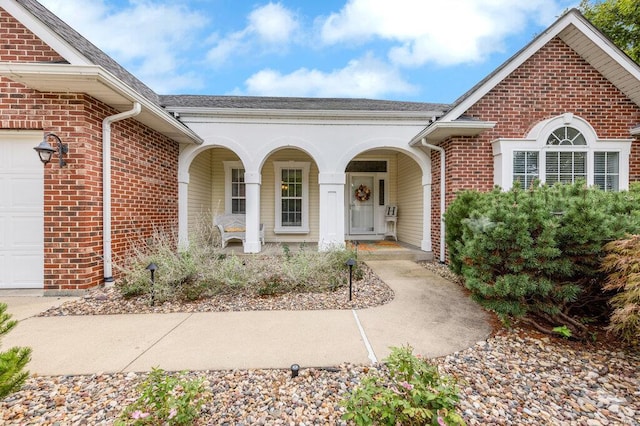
(382, 177)
(289, 196)
(216, 187)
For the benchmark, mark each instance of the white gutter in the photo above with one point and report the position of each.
(106, 186)
(442, 193)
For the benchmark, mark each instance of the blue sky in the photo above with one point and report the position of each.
(412, 50)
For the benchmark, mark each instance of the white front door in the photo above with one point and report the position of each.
(362, 204)
(21, 211)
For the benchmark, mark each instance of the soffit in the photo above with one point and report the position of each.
(99, 84)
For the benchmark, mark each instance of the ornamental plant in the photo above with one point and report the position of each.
(165, 400)
(409, 392)
(203, 270)
(535, 254)
(12, 361)
(622, 264)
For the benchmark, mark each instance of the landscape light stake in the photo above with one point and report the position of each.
(153, 268)
(350, 264)
(295, 368)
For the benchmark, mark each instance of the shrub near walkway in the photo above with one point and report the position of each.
(204, 279)
(536, 254)
(203, 270)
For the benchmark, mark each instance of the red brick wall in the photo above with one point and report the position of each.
(144, 171)
(21, 45)
(553, 81)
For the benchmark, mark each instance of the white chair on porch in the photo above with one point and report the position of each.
(391, 222)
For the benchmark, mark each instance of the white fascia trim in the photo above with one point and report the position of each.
(100, 75)
(45, 33)
(256, 113)
(570, 18)
(440, 130)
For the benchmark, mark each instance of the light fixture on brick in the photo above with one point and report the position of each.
(45, 150)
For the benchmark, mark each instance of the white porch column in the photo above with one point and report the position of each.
(425, 244)
(183, 210)
(252, 182)
(331, 211)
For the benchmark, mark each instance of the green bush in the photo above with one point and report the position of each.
(12, 361)
(465, 203)
(538, 252)
(412, 392)
(165, 400)
(622, 264)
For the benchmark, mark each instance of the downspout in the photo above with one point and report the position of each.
(442, 194)
(106, 186)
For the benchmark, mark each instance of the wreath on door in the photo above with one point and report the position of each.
(363, 193)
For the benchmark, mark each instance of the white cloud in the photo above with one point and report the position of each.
(365, 77)
(152, 38)
(225, 48)
(443, 32)
(270, 28)
(273, 23)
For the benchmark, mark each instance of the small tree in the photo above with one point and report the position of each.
(617, 19)
(622, 263)
(13, 361)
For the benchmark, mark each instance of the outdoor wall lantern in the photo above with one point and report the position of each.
(45, 150)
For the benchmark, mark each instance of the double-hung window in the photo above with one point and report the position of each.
(235, 198)
(606, 170)
(563, 149)
(292, 197)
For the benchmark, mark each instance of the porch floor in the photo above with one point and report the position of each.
(365, 250)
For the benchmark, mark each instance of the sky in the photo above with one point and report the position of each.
(409, 50)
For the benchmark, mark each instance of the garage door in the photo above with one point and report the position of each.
(21, 211)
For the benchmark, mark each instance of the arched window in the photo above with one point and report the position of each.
(563, 163)
(562, 149)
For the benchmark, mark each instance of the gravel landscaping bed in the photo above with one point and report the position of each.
(368, 292)
(509, 379)
(514, 377)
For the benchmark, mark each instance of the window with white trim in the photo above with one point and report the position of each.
(235, 190)
(292, 197)
(562, 149)
(606, 171)
(525, 167)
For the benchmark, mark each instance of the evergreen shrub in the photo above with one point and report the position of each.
(12, 361)
(538, 252)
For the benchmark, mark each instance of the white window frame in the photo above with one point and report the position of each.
(228, 173)
(536, 140)
(278, 167)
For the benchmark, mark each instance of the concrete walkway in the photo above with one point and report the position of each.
(429, 313)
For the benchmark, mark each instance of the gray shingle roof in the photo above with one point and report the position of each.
(326, 104)
(86, 48)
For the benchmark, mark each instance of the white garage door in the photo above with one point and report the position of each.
(21, 211)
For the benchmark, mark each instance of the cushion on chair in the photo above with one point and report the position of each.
(235, 229)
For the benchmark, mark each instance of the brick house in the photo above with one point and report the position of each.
(323, 171)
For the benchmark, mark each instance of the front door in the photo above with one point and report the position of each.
(361, 204)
